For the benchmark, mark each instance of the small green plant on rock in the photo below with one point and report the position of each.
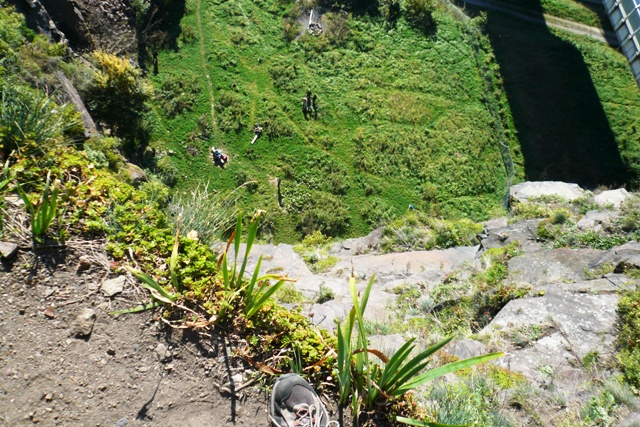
(314, 250)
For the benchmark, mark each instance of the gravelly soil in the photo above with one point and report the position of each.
(116, 376)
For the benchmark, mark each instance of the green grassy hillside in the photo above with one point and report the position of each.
(404, 117)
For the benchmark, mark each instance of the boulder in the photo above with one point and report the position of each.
(525, 232)
(533, 189)
(495, 224)
(609, 284)
(359, 245)
(95, 24)
(409, 267)
(585, 322)
(596, 220)
(632, 420)
(135, 174)
(38, 18)
(627, 255)
(388, 344)
(613, 198)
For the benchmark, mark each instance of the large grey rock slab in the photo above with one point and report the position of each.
(620, 256)
(534, 189)
(610, 284)
(549, 364)
(557, 265)
(281, 259)
(494, 224)
(525, 232)
(412, 267)
(632, 420)
(586, 322)
(613, 198)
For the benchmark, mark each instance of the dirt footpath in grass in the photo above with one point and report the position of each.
(128, 371)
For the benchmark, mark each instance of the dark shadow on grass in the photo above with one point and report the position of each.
(159, 28)
(562, 127)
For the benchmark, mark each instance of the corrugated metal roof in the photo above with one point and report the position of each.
(625, 17)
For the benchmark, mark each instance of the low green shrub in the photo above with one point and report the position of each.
(314, 250)
(167, 172)
(629, 337)
(288, 294)
(418, 231)
(108, 147)
(419, 13)
(325, 294)
(155, 193)
(177, 94)
(475, 401)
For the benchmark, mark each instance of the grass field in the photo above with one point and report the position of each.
(404, 117)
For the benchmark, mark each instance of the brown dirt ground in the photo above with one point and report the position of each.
(114, 377)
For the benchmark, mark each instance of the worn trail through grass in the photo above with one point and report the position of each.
(205, 67)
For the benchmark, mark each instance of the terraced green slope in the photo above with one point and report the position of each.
(404, 117)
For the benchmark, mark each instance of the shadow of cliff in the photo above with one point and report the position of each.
(562, 127)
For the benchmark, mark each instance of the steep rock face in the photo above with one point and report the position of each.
(94, 24)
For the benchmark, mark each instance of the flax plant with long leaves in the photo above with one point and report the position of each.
(371, 385)
(43, 213)
(258, 289)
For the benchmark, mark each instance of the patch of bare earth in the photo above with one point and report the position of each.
(130, 370)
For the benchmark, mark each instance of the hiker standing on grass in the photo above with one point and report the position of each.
(305, 106)
(314, 104)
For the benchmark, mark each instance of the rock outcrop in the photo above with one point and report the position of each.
(93, 24)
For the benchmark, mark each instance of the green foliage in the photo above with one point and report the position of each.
(288, 294)
(44, 212)
(211, 214)
(255, 292)
(419, 13)
(29, 119)
(167, 172)
(118, 95)
(372, 385)
(629, 337)
(337, 27)
(177, 94)
(155, 193)
(418, 231)
(599, 410)
(104, 149)
(231, 112)
(468, 402)
(314, 250)
(325, 294)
